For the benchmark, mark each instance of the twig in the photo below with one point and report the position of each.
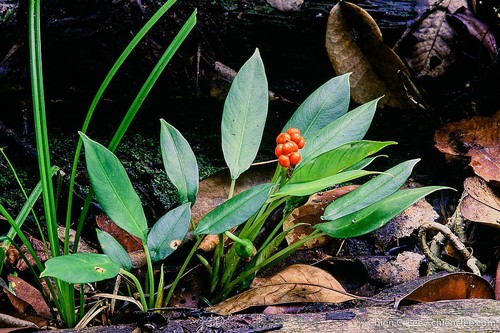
(475, 265)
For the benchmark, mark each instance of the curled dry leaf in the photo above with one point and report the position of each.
(477, 138)
(434, 48)
(354, 44)
(310, 214)
(480, 204)
(40, 250)
(448, 287)
(295, 284)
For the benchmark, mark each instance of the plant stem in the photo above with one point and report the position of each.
(150, 276)
(181, 271)
(132, 277)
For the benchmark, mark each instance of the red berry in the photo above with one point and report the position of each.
(289, 147)
(278, 150)
(294, 158)
(293, 130)
(295, 137)
(284, 161)
(282, 138)
(301, 143)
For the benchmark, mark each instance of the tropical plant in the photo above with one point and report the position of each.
(62, 292)
(332, 152)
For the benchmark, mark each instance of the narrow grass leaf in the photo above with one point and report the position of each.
(113, 189)
(113, 249)
(234, 211)
(244, 116)
(169, 232)
(324, 105)
(336, 160)
(352, 126)
(87, 268)
(372, 191)
(376, 215)
(179, 162)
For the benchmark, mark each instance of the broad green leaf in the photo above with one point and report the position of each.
(376, 215)
(168, 233)
(372, 191)
(114, 250)
(244, 116)
(323, 106)
(350, 127)
(310, 187)
(113, 189)
(80, 268)
(234, 211)
(336, 160)
(179, 161)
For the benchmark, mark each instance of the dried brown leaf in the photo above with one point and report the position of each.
(40, 250)
(461, 285)
(480, 204)
(295, 284)
(29, 294)
(434, 50)
(477, 138)
(478, 30)
(310, 214)
(354, 44)
(83, 246)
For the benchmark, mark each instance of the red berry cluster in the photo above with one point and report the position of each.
(288, 145)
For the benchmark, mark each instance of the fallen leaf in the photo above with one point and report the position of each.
(295, 284)
(310, 214)
(477, 138)
(40, 250)
(480, 204)
(430, 48)
(29, 294)
(354, 44)
(451, 286)
(465, 20)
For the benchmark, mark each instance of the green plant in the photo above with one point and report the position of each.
(63, 292)
(333, 152)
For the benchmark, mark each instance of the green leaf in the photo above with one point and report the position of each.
(336, 160)
(234, 211)
(376, 215)
(350, 127)
(114, 250)
(80, 268)
(363, 163)
(310, 187)
(179, 161)
(244, 116)
(113, 189)
(324, 105)
(167, 234)
(370, 192)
